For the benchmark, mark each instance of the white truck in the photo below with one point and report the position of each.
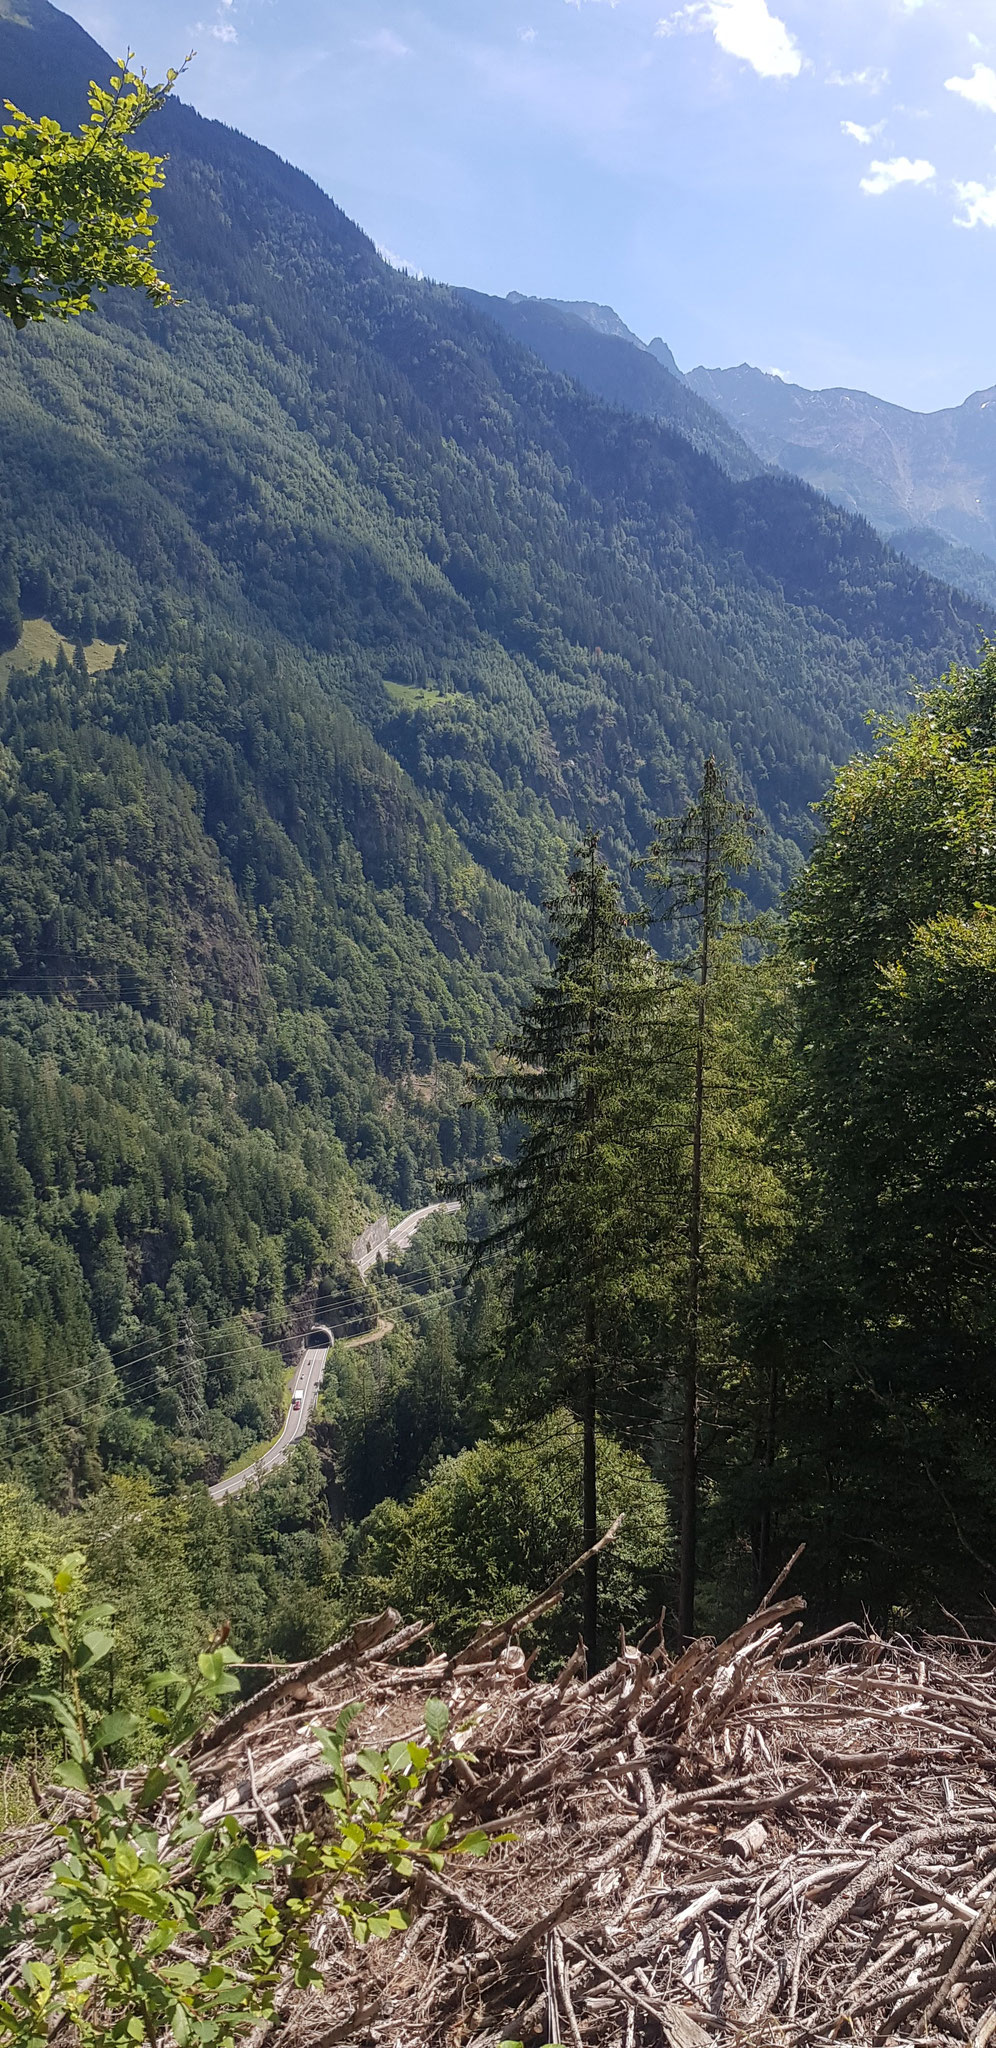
(298, 1401)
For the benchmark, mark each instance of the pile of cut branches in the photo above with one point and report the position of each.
(763, 1841)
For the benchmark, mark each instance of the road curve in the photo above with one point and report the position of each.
(308, 1376)
(398, 1240)
(312, 1365)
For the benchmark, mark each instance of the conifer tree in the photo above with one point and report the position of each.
(696, 904)
(564, 1203)
(10, 606)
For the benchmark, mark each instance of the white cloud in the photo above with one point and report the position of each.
(223, 29)
(899, 170)
(870, 79)
(384, 44)
(744, 29)
(863, 135)
(980, 89)
(782, 375)
(527, 35)
(979, 202)
(397, 262)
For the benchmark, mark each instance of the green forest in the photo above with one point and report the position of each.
(725, 1248)
(439, 781)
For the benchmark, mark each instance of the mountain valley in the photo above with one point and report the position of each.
(336, 607)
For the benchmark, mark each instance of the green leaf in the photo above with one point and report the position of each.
(477, 1843)
(57, 1707)
(180, 2026)
(115, 1727)
(437, 1719)
(153, 1787)
(95, 1645)
(186, 1974)
(101, 1611)
(345, 1718)
(126, 1860)
(201, 1849)
(70, 1772)
(160, 1681)
(379, 1926)
(372, 1761)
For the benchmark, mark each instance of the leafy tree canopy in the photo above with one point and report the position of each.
(75, 210)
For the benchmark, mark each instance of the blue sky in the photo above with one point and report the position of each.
(809, 185)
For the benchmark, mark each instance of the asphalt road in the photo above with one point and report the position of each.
(312, 1366)
(398, 1240)
(309, 1376)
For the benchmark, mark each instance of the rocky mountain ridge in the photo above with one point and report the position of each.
(926, 481)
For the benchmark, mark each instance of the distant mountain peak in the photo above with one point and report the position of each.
(617, 368)
(926, 478)
(604, 319)
(658, 348)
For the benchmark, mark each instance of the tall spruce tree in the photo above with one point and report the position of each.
(698, 908)
(568, 1089)
(11, 621)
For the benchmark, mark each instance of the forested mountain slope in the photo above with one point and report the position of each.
(923, 479)
(591, 344)
(214, 997)
(399, 610)
(358, 461)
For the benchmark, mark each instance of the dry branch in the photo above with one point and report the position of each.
(762, 1842)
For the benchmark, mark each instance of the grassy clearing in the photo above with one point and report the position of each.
(40, 642)
(412, 698)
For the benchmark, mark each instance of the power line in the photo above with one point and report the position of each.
(122, 1368)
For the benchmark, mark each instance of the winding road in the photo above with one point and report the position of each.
(312, 1365)
(398, 1240)
(296, 1420)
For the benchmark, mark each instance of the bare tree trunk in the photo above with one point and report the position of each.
(590, 1515)
(690, 1424)
(763, 1552)
(689, 1505)
(588, 1388)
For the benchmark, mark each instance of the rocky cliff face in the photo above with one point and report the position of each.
(927, 481)
(901, 469)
